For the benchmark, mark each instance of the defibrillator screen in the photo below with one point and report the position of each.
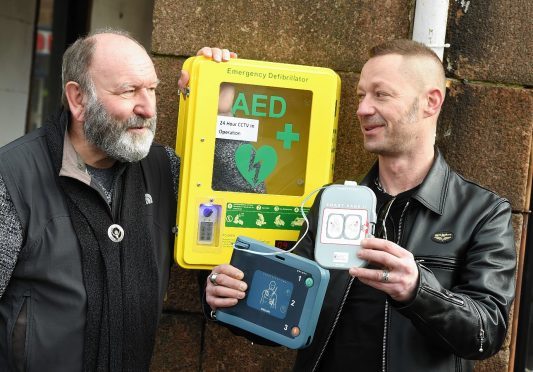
(270, 294)
(262, 136)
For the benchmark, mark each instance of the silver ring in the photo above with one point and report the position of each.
(213, 278)
(385, 276)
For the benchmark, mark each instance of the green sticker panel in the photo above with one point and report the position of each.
(261, 216)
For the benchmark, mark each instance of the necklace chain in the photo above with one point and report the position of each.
(378, 184)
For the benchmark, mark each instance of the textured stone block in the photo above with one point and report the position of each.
(224, 351)
(498, 363)
(178, 344)
(168, 72)
(322, 33)
(485, 132)
(183, 292)
(491, 41)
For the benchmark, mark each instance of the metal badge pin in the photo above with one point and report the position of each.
(115, 233)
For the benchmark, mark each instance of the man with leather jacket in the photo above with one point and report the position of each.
(440, 281)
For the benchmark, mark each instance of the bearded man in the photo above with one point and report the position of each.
(88, 205)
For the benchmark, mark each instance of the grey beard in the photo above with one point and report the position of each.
(111, 135)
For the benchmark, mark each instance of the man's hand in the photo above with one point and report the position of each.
(216, 54)
(224, 287)
(398, 276)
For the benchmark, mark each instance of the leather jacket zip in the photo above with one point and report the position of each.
(385, 334)
(399, 241)
(334, 324)
(481, 335)
(445, 295)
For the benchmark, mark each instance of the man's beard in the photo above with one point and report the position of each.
(399, 140)
(112, 136)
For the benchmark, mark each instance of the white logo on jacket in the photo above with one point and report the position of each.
(148, 199)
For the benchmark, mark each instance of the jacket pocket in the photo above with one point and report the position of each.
(439, 262)
(446, 269)
(19, 334)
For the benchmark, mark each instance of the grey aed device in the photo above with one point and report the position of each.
(347, 215)
(284, 296)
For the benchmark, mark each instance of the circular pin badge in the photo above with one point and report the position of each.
(115, 233)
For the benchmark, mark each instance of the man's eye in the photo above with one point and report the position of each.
(380, 94)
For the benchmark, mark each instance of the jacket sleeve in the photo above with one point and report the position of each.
(471, 318)
(11, 237)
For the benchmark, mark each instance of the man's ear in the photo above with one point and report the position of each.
(75, 100)
(434, 100)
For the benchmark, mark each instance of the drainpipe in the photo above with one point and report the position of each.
(430, 24)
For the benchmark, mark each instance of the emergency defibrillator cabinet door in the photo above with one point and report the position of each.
(254, 139)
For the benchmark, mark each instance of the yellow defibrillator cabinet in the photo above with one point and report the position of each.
(254, 139)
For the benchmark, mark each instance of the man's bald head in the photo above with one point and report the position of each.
(78, 57)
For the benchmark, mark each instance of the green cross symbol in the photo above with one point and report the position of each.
(287, 136)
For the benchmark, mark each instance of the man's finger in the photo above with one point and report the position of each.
(205, 51)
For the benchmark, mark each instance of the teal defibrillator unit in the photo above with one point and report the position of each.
(284, 296)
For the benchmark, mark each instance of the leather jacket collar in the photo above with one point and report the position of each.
(432, 193)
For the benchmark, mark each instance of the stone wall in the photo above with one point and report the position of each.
(485, 130)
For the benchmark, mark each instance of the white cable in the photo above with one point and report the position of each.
(301, 237)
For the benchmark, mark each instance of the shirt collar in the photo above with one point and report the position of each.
(72, 164)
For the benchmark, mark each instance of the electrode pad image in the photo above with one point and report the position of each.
(347, 215)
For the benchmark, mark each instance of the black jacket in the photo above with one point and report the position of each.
(43, 312)
(462, 239)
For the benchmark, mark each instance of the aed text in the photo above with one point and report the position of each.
(260, 105)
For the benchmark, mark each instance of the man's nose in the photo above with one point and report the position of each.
(145, 105)
(365, 107)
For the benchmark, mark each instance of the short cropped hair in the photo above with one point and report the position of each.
(403, 47)
(409, 48)
(77, 60)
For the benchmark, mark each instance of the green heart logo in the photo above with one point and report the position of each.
(255, 165)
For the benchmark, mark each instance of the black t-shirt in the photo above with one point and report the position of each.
(357, 342)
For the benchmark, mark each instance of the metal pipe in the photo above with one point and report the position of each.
(429, 26)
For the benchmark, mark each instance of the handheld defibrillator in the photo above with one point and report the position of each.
(284, 296)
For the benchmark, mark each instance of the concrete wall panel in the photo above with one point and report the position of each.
(491, 41)
(224, 351)
(485, 133)
(168, 72)
(183, 291)
(178, 344)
